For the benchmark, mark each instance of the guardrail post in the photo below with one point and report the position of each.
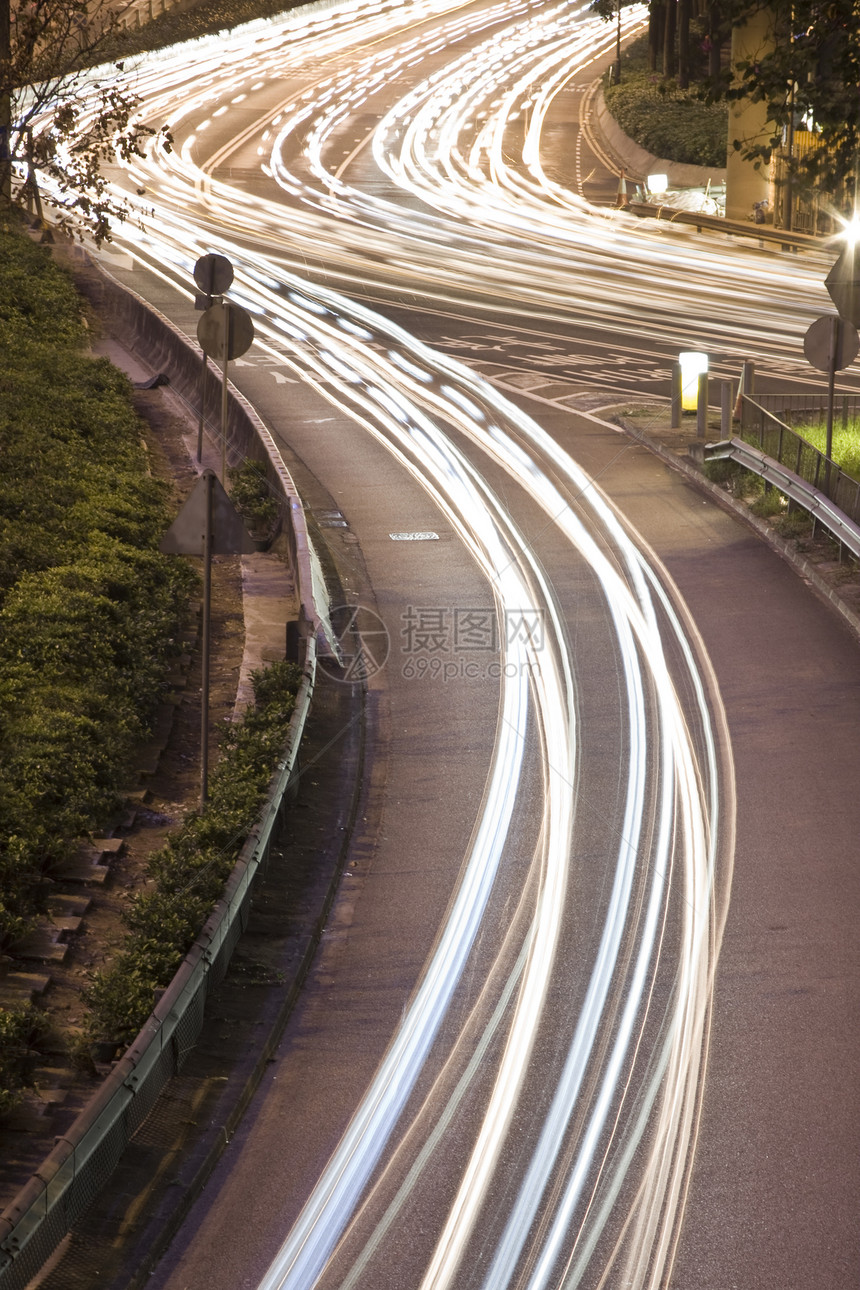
(676, 396)
(702, 405)
(726, 410)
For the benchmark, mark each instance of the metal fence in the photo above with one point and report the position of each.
(71, 1178)
(799, 410)
(777, 440)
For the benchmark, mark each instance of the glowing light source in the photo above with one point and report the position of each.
(657, 185)
(693, 364)
(851, 229)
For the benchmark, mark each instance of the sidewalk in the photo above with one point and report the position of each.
(268, 590)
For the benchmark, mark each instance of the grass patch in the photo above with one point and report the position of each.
(794, 525)
(731, 476)
(770, 503)
(673, 124)
(846, 443)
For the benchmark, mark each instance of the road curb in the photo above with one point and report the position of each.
(779, 545)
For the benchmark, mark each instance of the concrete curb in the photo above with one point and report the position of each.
(146, 332)
(638, 164)
(777, 544)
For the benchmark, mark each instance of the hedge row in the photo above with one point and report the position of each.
(90, 612)
(187, 875)
(674, 124)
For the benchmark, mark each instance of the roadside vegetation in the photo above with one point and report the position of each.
(91, 615)
(187, 876)
(206, 19)
(90, 611)
(846, 443)
(671, 123)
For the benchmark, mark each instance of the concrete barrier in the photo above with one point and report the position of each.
(166, 349)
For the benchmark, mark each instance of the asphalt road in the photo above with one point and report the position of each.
(773, 1188)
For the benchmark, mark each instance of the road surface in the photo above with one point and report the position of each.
(504, 1058)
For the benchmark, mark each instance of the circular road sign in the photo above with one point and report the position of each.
(213, 274)
(818, 339)
(225, 325)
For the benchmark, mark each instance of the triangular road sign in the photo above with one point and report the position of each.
(186, 534)
(843, 283)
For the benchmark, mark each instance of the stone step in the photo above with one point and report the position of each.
(42, 945)
(20, 988)
(68, 905)
(91, 864)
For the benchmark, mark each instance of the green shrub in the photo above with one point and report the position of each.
(675, 125)
(189, 872)
(252, 495)
(90, 611)
(20, 1030)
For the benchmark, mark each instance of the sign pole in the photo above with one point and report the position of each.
(205, 268)
(213, 274)
(208, 524)
(224, 396)
(209, 483)
(830, 344)
(831, 392)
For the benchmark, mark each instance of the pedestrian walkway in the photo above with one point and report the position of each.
(269, 599)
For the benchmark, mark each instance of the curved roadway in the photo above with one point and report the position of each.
(522, 969)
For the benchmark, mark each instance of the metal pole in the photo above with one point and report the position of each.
(676, 396)
(702, 406)
(208, 294)
(209, 478)
(202, 402)
(726, 409)
(224, 396)
(831, 387)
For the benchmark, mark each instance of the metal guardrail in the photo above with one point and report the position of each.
(779, 441)
(798, 469)
(811, 499)
(67, 1183)
(719, 224)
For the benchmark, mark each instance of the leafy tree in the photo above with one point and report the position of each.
(808, 77)
(809, 80)
(65, 109)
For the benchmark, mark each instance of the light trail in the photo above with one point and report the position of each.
(604, 1162)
